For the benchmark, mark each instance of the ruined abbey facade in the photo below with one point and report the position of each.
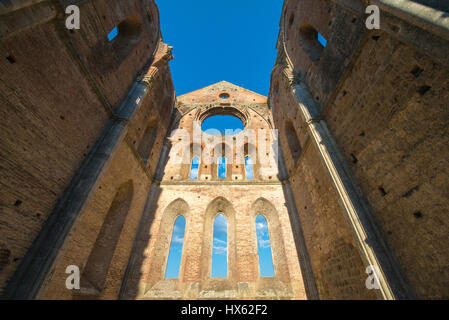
(359, 183)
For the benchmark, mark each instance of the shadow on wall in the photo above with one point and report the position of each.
(133, 275)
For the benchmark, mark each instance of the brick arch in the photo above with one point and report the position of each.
(231, 111)
(227, 152)
(190, 151)
(159, 256)
(267, 209)
(96, 269)
(292, 140)
(225, 207)
(250, 150)
(148, 139)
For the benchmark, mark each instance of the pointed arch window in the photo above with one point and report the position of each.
(194, 168)
(175, 253)
(222, 168)
(220, 247)
(264, 247)
(249, 172)
(148, 139)
(96, 270)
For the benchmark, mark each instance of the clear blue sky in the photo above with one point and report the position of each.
(231, 40)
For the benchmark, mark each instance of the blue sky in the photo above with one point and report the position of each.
(264, 247)
(231, 40)
(220, 248)
(221, 123)
(213, 41)
(176, 244)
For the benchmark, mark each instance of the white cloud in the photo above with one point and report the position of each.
(219, 242)
(177, 239)
(220, 226)
(220, 250)
(264, 243)
(260, 226)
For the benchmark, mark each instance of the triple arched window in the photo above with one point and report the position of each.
(220, 248)
(221, 174)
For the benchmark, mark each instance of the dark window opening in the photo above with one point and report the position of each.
(11, 59)
(422, 90)
(312, 42)
(224, 95)
(125, 36)
(293, 141)
(95, 272)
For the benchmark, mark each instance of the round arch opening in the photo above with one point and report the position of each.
(223, 120)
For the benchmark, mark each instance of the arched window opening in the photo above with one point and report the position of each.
(308, 38)
(97, 266)
(293, 141)
(149, 137)
(264, 247)
(175, 253)
(220, 247)
(222, 168)
(195, 167)
(249, 173)
(125, 36)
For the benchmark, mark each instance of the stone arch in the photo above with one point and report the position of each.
(95, 271)
(251, 150)
(293, 141)
(267, 209)
(216, 206)
(148, 139)
(159, 256)
(227, 152)
(191, 151)
(129, 34)
(231, 111)
(308, 39)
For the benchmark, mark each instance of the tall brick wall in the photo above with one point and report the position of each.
(393, 134)
(57, 104)
(240, 200)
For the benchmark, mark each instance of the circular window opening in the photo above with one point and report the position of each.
(224, 95)
(222, 125)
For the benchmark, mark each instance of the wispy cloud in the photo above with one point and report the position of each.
(264, 243)
(178, 239)
(219, 242)
(220, 250)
